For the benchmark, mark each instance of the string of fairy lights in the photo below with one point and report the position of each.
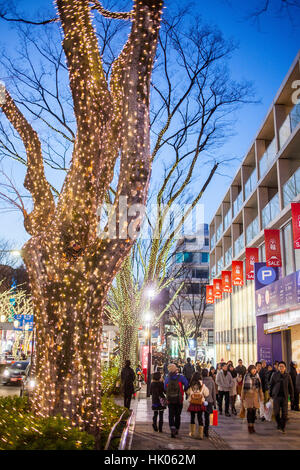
(70, 269)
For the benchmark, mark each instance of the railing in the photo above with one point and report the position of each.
(267, 158)
(213, 272)
(213, 241)
(252, 230)
(110, 436)
(250, 184)
(270, 211)
(289, 124)
(220, 265)
(219, 232)
(237, 204)
(228, 256)
(123, 440)
(227, 219)
(239, 244)
(291, 188)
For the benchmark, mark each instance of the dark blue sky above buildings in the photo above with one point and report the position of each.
(266, 51)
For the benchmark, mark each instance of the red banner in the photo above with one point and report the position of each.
(251, 258)
(218, 288)
(210, 295)
(273, 251)
(237, 273)
(226, 281)
(296, 224)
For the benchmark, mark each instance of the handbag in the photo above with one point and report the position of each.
(242, 412)
(163, 402)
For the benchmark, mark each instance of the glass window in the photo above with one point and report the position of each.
(297, 259)
(179, 257)
(204, 257)
(288, 251)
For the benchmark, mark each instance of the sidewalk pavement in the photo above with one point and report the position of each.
(230, 434)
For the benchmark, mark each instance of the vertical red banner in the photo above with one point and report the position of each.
(226, 281)
(296, 224)
(210, 295)
(251, 258)
(218, 288)
(273, 250)
(237, 273)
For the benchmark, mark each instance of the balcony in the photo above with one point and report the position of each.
(268, 158)
(239, 245)
(290, 123)
(227, 219)
(238, 202)
(213, 272)
(270, 211)
(228, 256)
(219, 232)
(212, 241)
(291, 188)
(252, 230)
(220, 266)
(250, 184)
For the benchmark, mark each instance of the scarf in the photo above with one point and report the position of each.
(252, 382)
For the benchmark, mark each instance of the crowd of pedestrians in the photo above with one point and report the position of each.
(263, 390)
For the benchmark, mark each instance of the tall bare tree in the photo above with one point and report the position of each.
(70, 267)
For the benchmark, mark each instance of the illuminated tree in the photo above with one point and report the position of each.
(70, 267)
(193, 98)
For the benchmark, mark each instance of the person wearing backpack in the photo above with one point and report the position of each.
(188, 369)
(175, 386)
(197, 393)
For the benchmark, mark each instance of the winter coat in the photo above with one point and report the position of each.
(223, 381)
(241, 370)
(287, 384)
(293, 374)
(298, 383)
(195, 388)
(188, 370)
(157, 391)
(128, 378)
(263, 377)
(182, 380)
(210, 384)
(252, 398)
(233, 390)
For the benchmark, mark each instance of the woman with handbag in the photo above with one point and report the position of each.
(197, 393)
(251, 396)
(159, 402)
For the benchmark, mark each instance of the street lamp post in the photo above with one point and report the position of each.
(148, 319)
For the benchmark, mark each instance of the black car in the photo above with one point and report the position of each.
(16, 373)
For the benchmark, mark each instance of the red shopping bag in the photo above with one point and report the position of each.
(215, 417)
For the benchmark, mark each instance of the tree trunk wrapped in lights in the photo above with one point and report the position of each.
(70, 268)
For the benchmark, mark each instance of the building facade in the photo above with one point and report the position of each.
(259, 198)
(190, 266)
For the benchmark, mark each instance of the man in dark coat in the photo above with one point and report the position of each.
(280, 387)
(188, 369)
(128, 378)
(240, 368)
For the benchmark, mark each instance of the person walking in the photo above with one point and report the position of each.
(233, 390)
(196, 393)
(165, 368)
(127, 378)
(280, 388)
(211, 399)
(224, 382)
(241, 372)
(293, 374)
(158, 401)
(175, 386)
(188, 369)
(251, 396)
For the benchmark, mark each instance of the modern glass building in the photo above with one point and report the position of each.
(259, 198)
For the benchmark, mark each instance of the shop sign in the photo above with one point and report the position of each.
(273, 250)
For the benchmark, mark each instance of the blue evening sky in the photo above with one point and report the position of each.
(264, 56)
